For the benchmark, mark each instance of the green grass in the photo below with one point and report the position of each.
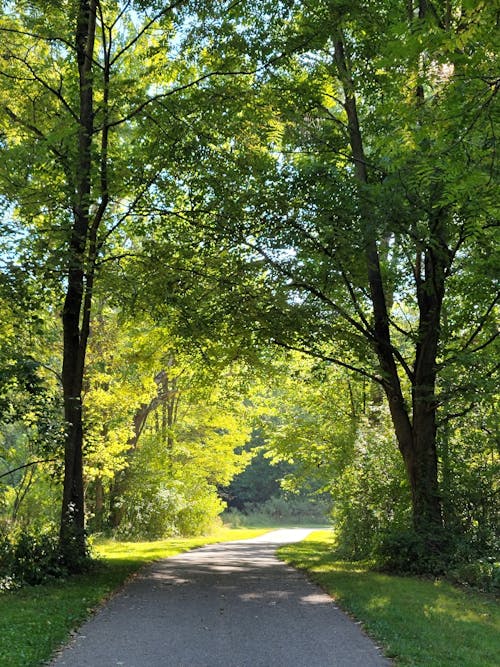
(419, 622)
(35, 620)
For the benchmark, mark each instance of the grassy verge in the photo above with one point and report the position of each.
(421, 623)
(34, 621)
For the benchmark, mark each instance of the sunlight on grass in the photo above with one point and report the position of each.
(421, 623)
(379, 602)
(445, 609)
(110, 550)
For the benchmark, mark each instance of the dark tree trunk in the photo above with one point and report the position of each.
(416, 429)
(76, 311)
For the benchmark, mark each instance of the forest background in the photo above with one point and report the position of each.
(249, 231)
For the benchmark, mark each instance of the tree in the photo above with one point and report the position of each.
(371, 199)
(90, 81)
(188, 439)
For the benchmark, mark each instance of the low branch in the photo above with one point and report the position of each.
(27, 465)
(455, 415)
(325, 357)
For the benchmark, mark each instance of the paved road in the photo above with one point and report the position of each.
(226, 605)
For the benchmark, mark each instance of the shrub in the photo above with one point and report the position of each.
(439, 553)
(483, 574)
(410, 552)
(29, 558)
(154, 512)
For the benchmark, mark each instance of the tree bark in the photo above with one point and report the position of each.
(78, 294)
(415, 431)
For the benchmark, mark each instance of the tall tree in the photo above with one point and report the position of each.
(373, 206)
(89, 79)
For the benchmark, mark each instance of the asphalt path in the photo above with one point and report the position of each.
(226, 605)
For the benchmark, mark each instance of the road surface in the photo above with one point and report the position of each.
(226, 605)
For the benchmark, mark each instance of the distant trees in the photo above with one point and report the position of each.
(162, 431)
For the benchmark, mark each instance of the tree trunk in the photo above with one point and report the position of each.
(99, 504)
(78, 299)
(421, 464)
(415, 431)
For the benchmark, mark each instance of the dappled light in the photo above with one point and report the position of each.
(468, 624)
(249, 278)
(236, 602)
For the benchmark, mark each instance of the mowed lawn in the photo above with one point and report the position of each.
(35, 620)
(419, 622)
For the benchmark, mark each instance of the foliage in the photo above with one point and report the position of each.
(154, 511)
(281, 510)
(221, 178)
(371, 494)
(468, 622)
(470, 481)
(96, 129)
(30, 558)
(172, 483)
(336, 430)
(31, 427)
(408, 552)
(482, 574)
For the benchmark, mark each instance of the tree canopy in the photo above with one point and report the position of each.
(190, 191)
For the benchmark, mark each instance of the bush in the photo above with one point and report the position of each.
(410, 552)
(154, 512)
(370, 492)
(29, 558)
(483, 574)
(441, 553)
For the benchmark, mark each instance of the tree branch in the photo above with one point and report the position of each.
(312, 290)
(36, 131)
(481, 323)
(27, 465)
(144, 29)
(48, 87)
(325, 357)
(45, 38)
